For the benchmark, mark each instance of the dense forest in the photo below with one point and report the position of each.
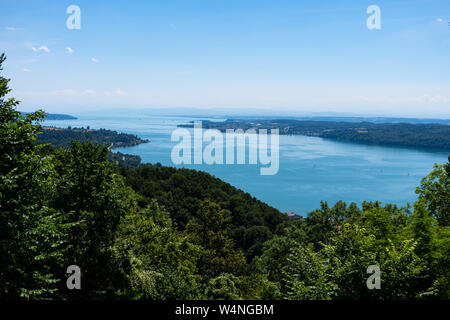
(60, 137)
(249, 222)
(155, 232)
(53, 138)
(431, 136)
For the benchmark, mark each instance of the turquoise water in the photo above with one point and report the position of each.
(311, 169)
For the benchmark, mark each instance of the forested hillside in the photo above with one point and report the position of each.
(249, 222)
(163, 233)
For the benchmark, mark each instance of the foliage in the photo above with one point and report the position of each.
(307, 275)
(338, 270)
(96, 198)
(181, 191)
(31, 233)
(163, 262)
(435, 191)
(223, 287)
(218, 254)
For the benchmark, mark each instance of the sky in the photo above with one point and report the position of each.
(274, 56)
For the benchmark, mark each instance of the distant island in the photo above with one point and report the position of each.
(430, 136)
(55, 116)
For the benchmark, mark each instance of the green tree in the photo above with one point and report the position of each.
(257, 286)
(163, 262)
(379, 223)
(421, 228)
(307, 275)
(208, 231)
(321, 224)
(94, 197)
(403, 272)
(441, 262)
(350, 251)
(276, 251)
(32, 234)
(339, 269)
(354, 249)
(223, 287)
(435, 191)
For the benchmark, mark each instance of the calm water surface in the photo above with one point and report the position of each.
(311, 169)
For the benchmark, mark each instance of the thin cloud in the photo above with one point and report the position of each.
(41, 48)
(26, 70)
(63, 92)
(88, 92)
(94, 60)
(13, 29)
(69, 50)
(439, 20)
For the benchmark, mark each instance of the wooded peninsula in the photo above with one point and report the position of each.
(416, 135)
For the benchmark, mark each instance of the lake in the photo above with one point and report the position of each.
(310, 170)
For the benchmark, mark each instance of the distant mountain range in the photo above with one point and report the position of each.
(348, 119)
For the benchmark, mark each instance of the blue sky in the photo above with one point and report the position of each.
(297, 56)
